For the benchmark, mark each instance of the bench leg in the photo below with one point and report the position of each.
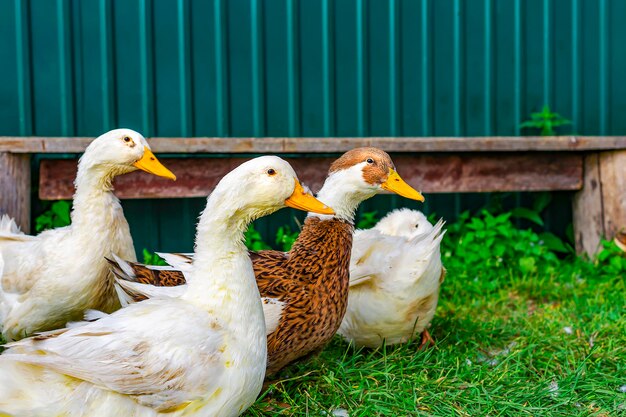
(15, 188)
(600, 207)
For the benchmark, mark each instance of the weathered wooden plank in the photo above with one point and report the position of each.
(431, 173)
(587, 208)
(15, 188)
(329, 145)
(613, 178)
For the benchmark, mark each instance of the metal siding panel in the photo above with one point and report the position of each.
(590, 69)
(184, 59)
(127, 77)
(410, 81)
(477, 91)
(617, 67)
(15, 97)
(203, 66)
(169, 75)
(278, 61)
(426, 69)
(222, 78)
(362, 70)
(95, 93)
(106, 64)
(146, 65)
(314, 84)
(328, 58)
(358, 67)
(258, 70)
(562, 28)
(45, 55)
(603, 73)
(533, 57)
(293, 63)
(506, 77)
(381, 67)
(240, 67)
(519, 64)
(66, 67)
(458, 63)
(346, 66)
(443, 74)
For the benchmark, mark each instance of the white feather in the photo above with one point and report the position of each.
(395, 272)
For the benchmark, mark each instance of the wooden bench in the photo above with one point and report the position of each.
(593, 167)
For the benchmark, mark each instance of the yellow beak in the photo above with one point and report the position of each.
(302, 200)
(395, 184)
(151, 164)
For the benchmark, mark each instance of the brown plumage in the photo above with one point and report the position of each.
(312, 280)
(158, 277)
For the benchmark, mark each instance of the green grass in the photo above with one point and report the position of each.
(508, 343)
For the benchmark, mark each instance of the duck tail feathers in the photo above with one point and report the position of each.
(121, 268)
(431, 241)
(8, 226)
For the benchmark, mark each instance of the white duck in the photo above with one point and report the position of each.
(395, 274)
(203, 354)
(50, 279)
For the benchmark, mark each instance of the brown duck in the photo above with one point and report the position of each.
(305, 290)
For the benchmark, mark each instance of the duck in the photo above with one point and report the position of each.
(395, 275)
(304, 291)
(201, 354)
(52, 278)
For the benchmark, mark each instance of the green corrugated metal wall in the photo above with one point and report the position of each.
(306, 68)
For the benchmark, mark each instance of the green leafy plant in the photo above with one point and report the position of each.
(545, 121)
(56, 215)
(493, 241)
(150, 258)
(367, 220)
(254, 240)
(285, 237)
(611, 259)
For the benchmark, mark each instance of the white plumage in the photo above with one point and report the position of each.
(395, 273)
(50, 279)
(202, 354)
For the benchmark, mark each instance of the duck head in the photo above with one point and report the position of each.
(121, 151)
(360, 174)
(404, 222)
(262, 186)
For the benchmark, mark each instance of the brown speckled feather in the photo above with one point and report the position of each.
(160, 278)
(312, 280)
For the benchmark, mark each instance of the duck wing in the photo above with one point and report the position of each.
(136, 282)
(123, 354)
(372, 252)
(269, 269)
(10, 231)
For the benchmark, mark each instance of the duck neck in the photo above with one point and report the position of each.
(94, 202)
(343, 196)
(222, 271)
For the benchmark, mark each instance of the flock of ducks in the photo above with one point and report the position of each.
(94, 333)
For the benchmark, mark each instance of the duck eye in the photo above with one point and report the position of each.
(126, 139)
(370, 161)
(417, 226)
(271, 171)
